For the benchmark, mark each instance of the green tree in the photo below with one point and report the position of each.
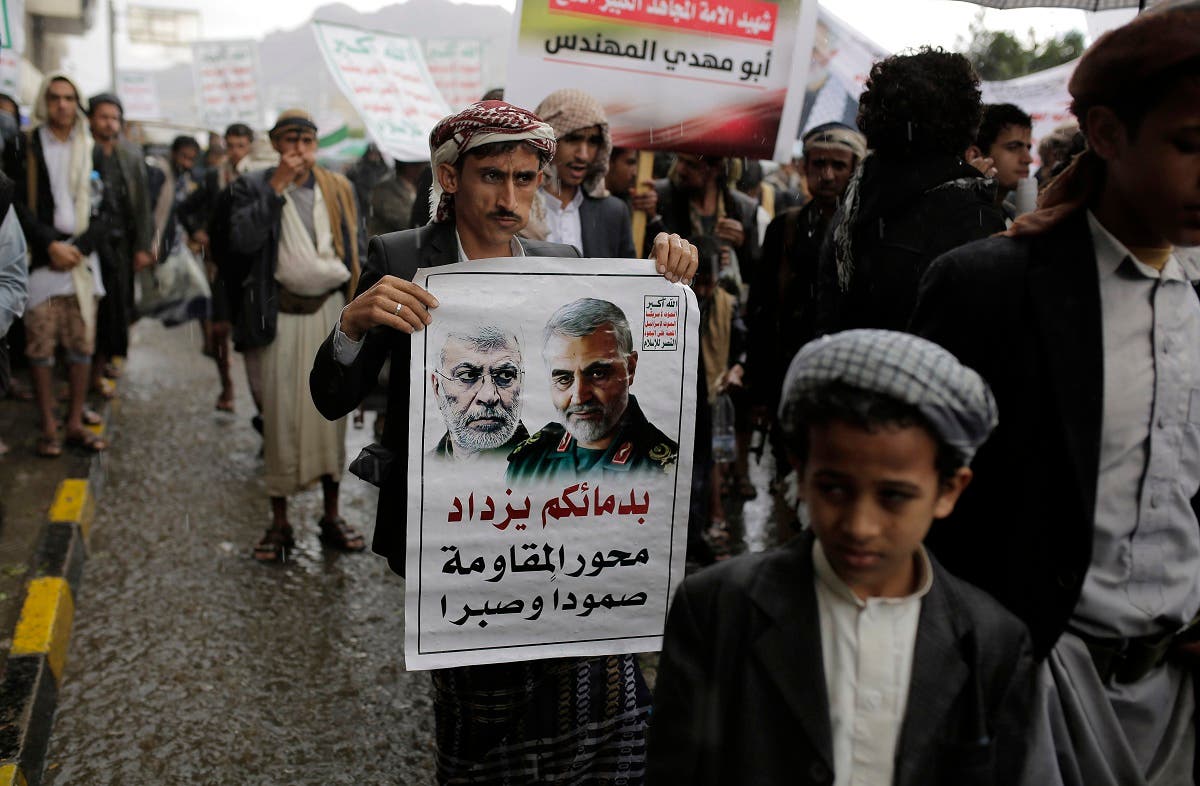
(999, 55)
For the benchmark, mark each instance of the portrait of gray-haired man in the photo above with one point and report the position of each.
(477, 386)
(588, 349)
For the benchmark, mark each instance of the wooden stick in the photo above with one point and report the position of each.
(645, 172)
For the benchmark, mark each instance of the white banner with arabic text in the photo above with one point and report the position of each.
(386, 81)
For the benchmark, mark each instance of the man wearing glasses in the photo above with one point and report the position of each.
(477, 386)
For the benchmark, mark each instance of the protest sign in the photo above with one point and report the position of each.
(528, 538)
(12, 25)
(386, 81)
(226, 74)
(12, 45)
(139, 93)
(841, 60)
(698, 76)
(456, 65)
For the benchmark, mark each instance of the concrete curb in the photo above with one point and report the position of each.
(33, 672)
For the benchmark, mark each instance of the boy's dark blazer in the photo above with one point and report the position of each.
(337, 390)
(1026, 315)
(741, 695)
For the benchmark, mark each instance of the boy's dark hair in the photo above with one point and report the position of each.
(1131, 108)
(180, 142)
(997, 117)
(922, 103)
(240, 129)
(868, 410)
(500, 148)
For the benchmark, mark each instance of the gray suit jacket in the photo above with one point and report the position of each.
(337, 390)
(741, 695)
(607, 228)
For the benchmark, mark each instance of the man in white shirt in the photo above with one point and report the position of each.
(852, 657)
(573, 205)
(54, 204)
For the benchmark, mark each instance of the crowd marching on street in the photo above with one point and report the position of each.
(983, 414)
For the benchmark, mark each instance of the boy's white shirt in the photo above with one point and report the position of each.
(867, 647)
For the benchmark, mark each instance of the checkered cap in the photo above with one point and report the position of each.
(953, 398)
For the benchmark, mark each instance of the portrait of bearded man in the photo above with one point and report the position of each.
(477, 386)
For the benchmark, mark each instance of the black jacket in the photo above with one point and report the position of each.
(741, 696)
(37, 217)
(1026, 315)
(910, 212)
(676, 212)
(255, 224)
(607, 228)
(337, 390)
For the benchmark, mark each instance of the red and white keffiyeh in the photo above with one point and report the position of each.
(481, 124)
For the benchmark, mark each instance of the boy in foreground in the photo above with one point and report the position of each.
(850, 655)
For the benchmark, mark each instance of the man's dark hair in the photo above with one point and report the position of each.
(618, 152)
(97, 101)
(867, 410)
(752, 176)
(500, 148)
(922, 103)
(495, 94)
(997, 117)
(180, 142)
(240, 129)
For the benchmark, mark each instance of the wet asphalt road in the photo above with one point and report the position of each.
(191, 663)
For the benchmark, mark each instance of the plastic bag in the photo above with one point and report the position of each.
(724, 439)
(175, 290)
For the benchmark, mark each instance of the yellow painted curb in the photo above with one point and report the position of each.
(44, 627)
(11, 775)
(73, 504)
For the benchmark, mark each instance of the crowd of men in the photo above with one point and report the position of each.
(936, 358)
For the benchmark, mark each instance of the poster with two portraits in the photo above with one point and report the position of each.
(551, 424)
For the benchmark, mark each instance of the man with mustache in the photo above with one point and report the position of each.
(477, 386)
(578, 720)
(589, 351)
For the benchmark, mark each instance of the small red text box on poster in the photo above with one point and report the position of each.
(660, 325)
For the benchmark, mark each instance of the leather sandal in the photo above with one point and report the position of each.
(337, 534)
(275, 544)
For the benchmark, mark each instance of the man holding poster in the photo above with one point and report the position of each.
(493, 721)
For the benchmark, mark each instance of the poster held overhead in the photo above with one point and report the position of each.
(387, 82)
(456, 65)
(700, 77)
(227, 76)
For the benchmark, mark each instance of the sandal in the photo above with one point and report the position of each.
(88, 441)
(91, 417)
(49, 447)
(105, 388)
(112, 370)
(274, 545)
(225, 404)
(337, 534)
